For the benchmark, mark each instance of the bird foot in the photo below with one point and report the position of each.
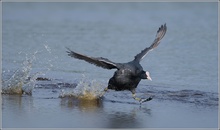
(142, 100)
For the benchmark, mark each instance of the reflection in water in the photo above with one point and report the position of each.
(131, 118)
(102, 114)
(19, 105)
(81, 104)
(123, 120)
(13, 100)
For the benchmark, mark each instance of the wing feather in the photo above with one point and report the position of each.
(100, 61)
(160, 34)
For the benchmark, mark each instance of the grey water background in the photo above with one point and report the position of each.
(184, 67)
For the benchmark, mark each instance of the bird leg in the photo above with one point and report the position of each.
(141, 100)
(105, 90)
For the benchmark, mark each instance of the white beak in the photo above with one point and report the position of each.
(148, 76)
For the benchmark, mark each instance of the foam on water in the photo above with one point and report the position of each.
(85, 89)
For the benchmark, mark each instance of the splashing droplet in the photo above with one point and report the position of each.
(47, 48)
(86, 90)
(21, 80)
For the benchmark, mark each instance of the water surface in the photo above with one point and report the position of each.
(183, 67)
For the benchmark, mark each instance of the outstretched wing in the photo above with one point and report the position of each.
(100, 62)
(160, 34)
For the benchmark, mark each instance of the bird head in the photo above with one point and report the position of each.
(145, 75)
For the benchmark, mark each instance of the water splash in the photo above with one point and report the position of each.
(29, 84)
(52, 59)
(21, 81)
(87, 90)
(47, 48)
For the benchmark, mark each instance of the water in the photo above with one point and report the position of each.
(183, 67)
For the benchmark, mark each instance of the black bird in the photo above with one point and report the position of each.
(128, 75)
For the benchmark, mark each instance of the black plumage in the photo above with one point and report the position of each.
(128, 75)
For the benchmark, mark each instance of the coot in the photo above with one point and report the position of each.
(128, 75)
